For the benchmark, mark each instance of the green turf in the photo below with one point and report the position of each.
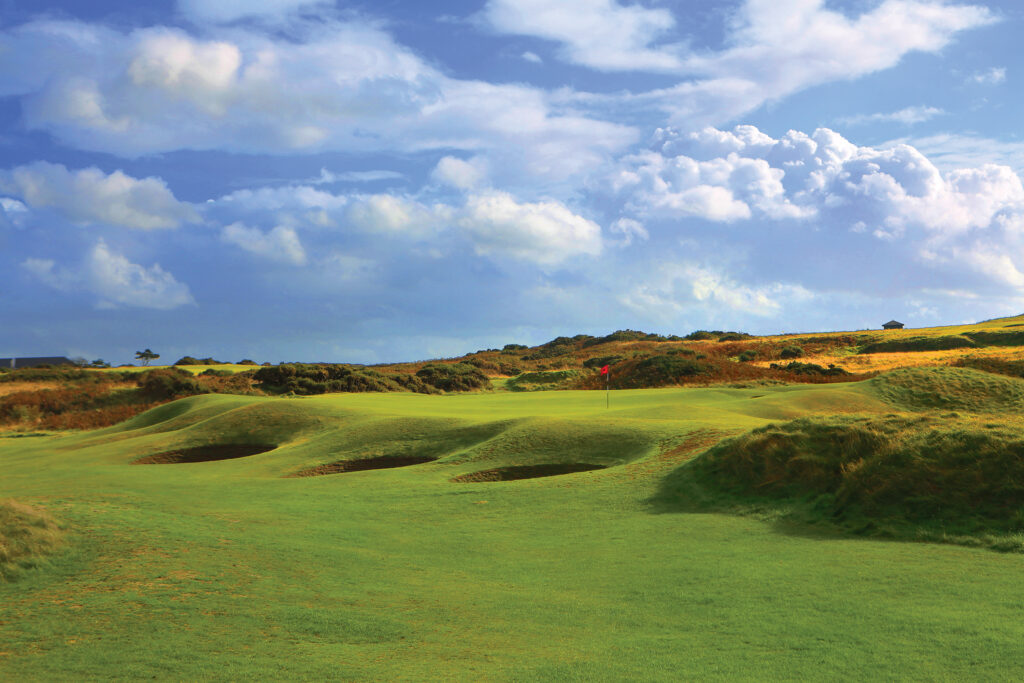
(230, 570)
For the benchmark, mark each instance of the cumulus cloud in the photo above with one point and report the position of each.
(90, 196)
(601, 34)
(546, 233)
(672, 289)
(337, 86)
(907, 116)
(460, 174)
(279, 244)
(114, 280)
(532, 57)
(893, 196)
(777, 48)
(385, 214)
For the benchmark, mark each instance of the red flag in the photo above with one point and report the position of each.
(604, 370)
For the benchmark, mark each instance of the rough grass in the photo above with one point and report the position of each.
(963, 389)
(27, 535)
(919, 344)
(904, 477)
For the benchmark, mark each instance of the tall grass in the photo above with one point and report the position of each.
(26, 535)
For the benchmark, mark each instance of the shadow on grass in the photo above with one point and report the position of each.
(687, 490)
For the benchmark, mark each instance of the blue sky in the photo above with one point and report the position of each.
(395, 180)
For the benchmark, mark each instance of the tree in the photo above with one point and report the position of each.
(99, 363)
(146, 356)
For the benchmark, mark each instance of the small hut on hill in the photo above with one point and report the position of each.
(892, 325)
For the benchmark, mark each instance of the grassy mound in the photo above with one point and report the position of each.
(919, 344)
(992, 338)
(26, 535)
(898, 476)
(948, 389)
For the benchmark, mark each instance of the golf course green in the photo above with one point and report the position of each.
(485, 536)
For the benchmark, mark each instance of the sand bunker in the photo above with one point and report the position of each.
(204, 454)
(382, 462)
(526, 472)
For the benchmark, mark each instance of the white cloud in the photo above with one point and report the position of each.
(907, 116)
(329, 178)
(459, 173)
(630, 230)
(226, 11)
(90, 196)
(779, 47)
(385, 214)
(532, 57)
(950, 151)
(114, 280)
(337, 86)
(891, 200)
(672, 289)
(993, 76)
(278, 244)
(601, 34)
(545, 233)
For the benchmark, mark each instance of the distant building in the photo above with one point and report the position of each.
(15, 363)
(892, 325)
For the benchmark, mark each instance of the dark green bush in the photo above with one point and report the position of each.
(165, 384)
(453, 376)
(747, 356)
(307, 379)
(799, 368)
(665, 369)
(211, 372)
(791, 352)
(735, 336)
(601, 361)
(514, 347)
(702, 335)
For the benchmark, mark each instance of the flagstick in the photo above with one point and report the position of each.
(607, 389)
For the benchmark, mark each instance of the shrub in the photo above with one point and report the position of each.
(508, 369)
(734, 336)
(702, 335)
(165, 384)
(485, 365)
(307, 379)
(601, 361)
(667, 369)
(211, 372)
(453, 376)
(799, 368)
(791, 352)
(747, 356)
(247, 362)
(514, 347)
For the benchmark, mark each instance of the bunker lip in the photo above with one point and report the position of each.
(381, 462)
(515, 472)
(210, 453)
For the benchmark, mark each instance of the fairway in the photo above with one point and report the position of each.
(235, 569)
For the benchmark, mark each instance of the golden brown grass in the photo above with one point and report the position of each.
(26, 535)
